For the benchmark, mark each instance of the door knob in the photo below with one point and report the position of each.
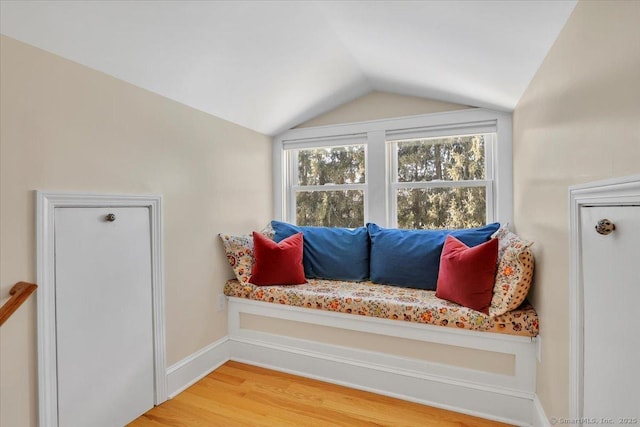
(110, 217)
(605, 227)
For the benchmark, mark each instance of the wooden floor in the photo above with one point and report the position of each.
(242, 395)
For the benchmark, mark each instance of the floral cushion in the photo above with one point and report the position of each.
(514, 273)
(239, 252)
(390, 302)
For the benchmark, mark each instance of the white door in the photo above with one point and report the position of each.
(104, 329)
(611, 278)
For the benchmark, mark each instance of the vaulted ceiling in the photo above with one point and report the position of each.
(270, 65)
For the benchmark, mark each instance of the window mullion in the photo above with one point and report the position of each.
(489, 164)
(293, 182)
(392, 178)
(376, 202)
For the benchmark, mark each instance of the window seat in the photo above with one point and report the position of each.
(257, 335)
(388, 302)
(396, 341)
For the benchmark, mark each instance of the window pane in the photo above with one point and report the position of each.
(460, 207)
(331, 165)
(456, 158)
(330, 208)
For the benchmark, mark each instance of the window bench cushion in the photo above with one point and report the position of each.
(390, 302)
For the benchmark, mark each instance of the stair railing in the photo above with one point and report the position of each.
(19, 294)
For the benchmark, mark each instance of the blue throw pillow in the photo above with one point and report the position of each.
(330, 253)
(411, 258)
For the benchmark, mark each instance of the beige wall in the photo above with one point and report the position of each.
(65, 127)
(381, 105)
(579, 121)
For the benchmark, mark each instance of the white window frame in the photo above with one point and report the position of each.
(376, 134)
(292, 182)
(487, 183)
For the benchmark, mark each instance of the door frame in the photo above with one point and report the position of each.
(618, 192)
(46, 203)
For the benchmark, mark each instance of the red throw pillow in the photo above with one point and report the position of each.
(467, 275)
(277, 263)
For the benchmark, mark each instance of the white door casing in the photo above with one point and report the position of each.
(621, 192)
(47, 204)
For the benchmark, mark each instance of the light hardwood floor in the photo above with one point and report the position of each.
(242, 395)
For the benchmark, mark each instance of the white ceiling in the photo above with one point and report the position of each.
(270, 65)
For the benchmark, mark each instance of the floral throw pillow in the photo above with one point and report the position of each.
(268, 232)
(514, 272)
(239, 252)
(507, 239)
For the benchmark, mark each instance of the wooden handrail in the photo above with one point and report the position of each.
(19, 293)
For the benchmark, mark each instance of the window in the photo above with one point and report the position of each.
(445, 170)
(329, 186)
(441, 182)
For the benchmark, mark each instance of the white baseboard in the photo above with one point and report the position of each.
(539, 416)
(499, 397)
(193, 368)
(362, 370)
